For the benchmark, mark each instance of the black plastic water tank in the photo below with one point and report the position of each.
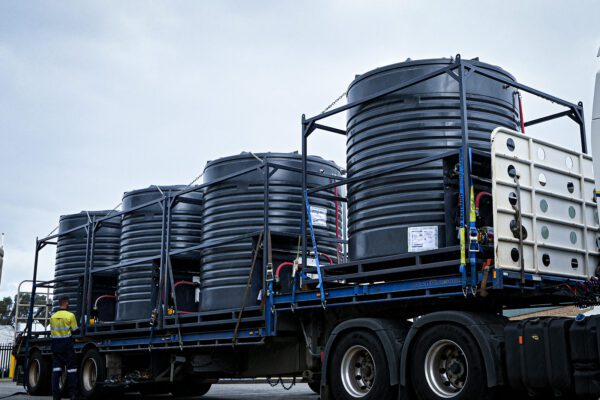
(235, 207)
(141, 237)
(71, 255)
(418, 122)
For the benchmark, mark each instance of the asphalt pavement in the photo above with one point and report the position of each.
(300, 391)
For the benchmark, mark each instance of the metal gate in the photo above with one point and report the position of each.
(5, 352)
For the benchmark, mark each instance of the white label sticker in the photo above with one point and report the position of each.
(318, 216)
(421, 238)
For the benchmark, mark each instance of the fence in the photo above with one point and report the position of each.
(5, 352)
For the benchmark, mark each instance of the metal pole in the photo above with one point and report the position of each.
(159, 292)
(266, 241)
(81, 301)
(90, 277)
(169, 203)
(30, 313)
(465, 145)
(304, 168)
(582, 128)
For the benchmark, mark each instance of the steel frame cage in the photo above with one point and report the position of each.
(165, 291)
(460, 70)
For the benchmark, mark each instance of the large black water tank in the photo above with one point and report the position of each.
(71, 255)
(142, 237)
(418, 122)
(235, 207)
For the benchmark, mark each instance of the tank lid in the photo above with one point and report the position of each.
(247, 155)
(426, 62)
(84, 214)
(157, 189)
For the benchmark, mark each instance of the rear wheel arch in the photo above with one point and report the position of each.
(486, 329)
(387, 331)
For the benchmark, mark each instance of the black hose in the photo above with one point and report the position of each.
(14, 394)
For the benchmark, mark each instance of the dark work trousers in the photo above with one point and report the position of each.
(63, 357)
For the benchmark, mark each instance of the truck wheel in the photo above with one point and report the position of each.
(91, 373)
(315, 386)
(359, 370)
(38, 375)
(185, 389)
(447, 364)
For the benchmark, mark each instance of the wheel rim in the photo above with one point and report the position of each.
(446, 368)
(34, 372)
(89, 374)
(358, 371)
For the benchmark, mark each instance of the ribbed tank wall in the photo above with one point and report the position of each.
(71, 254)
(418, 122)
(141, 237)
(236, 207)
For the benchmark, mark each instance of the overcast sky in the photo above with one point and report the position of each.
(101, 97)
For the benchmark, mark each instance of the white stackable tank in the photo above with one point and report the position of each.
(596, 129)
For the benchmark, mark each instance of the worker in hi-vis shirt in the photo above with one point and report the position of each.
(62, 324)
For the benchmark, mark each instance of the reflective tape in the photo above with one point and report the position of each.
(56, 369)
(72, 370)
(55, 335)
(60, 328)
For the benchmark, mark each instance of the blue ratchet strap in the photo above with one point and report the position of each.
(461, 229)
(314, 242)
(473, 234)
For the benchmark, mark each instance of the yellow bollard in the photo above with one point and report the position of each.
(11, 368)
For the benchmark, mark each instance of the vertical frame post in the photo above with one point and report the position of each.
(38, 247)
(87, 278)
(90, 275)
(466, 181)
(81, 301)
(267, 273)
(167, 267)
(304, 168)
(266, 241)
(581, 122)
(160, 304)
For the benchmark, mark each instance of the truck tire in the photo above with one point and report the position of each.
(38, 375)
(359, 370)
(91, 374)
(187, 389)
(447, 364)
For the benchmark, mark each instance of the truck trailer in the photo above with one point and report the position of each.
(386, 281)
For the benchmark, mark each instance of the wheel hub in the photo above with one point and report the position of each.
(446, 368)
(34, 372)
(358, 371)
(89, 374)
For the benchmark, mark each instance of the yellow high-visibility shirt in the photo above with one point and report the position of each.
(62, 323)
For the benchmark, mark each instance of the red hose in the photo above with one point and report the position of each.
(283, 264)
(104, 296)
(521, 113)
(486, 263)
(327, 257)
(184, 283)
(291, 264)
(478, 199)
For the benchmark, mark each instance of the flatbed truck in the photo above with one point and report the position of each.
(421, 325)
